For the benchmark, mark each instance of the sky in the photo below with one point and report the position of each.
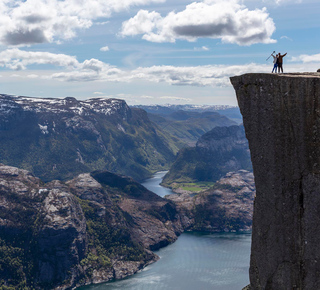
(151, 51)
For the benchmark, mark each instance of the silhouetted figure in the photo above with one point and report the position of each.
(280, 61)
(275, 63)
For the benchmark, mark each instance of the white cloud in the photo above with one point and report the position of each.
(70, 70)
(105, 48)
(18, 59)
(32, 76)
(202, 48)
(287, 1)
(173, 98)
(286, 37)
(96, 70)
(39, 21)
(89, 70)
(209, 75)
(305, 58)
(226, 20)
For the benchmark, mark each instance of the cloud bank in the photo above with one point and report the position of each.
(69, 69)
(305, 58)
(96, 70)
(40, 21)
(226, 20)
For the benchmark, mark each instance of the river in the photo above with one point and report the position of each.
(194, 262)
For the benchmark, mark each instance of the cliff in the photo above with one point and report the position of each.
(281, 115)
(226, 206)
(93, 228)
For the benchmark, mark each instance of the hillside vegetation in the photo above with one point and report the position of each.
(60, 138)
(186, 126)
(217, 152)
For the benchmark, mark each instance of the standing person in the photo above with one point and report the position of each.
(275, 63)
(280, 61)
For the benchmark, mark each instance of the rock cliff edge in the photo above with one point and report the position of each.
(281, 115)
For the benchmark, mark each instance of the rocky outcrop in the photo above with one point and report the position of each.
(282, 123)
(93, 228)
(227, 206)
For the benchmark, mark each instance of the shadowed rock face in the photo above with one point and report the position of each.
(93, 228)
(281, 115)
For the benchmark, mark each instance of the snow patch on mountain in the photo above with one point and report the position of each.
(43, 129)
(68, 105)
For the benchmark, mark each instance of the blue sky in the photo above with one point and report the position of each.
(150, 51)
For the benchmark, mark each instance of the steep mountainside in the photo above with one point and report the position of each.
(189, 126)
(91, 229)
(217, 152)
(227, 206)
(60, 138)
(282, 123)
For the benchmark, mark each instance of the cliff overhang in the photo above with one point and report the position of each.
(281, 116)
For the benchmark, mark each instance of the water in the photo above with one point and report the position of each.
(194, 262)
(153, 184)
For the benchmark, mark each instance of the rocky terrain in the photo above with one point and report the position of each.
(227, 206)
(101, 226)
(281, 119)
(93, 228)
(60, 138)
(221, 150)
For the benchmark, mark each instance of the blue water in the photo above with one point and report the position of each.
(153, 184)
(194, 262)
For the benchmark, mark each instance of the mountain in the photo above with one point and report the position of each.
(101, 226)
(93, 228)
(217, 152)
(188, 126)
(60, 138)
(227, 206)
(231, 112)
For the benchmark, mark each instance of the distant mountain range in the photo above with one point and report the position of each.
(188, 126)
(232, 112)
(60, 138)
(188, 122)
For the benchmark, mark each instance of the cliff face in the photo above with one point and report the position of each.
(226, 206)
(281, 115)
(93, 228)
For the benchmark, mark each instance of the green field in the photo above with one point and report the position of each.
(193, 186)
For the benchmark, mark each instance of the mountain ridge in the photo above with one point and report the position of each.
(217, 152)
(60, 138)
